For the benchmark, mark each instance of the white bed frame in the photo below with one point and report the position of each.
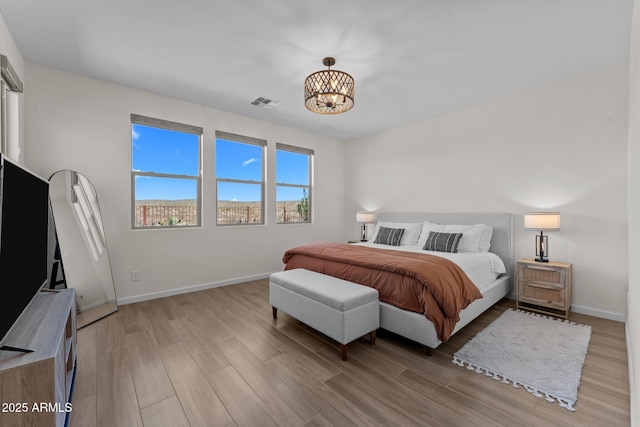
(415, 326)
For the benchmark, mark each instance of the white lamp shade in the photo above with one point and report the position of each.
(542, 221)
(364, 217)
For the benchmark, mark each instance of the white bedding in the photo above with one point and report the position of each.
(481, 267)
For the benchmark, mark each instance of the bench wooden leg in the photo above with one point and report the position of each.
(372, 337)
(275, 312)
(429, 351)
(343, 351)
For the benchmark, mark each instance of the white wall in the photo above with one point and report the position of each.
(82, 124)
(558, 147)
(633, 320)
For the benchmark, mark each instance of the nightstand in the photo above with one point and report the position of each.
(544, 287)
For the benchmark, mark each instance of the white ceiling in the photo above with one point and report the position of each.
(411, 59)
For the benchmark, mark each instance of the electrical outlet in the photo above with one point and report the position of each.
(135, 275)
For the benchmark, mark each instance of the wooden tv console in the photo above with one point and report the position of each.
(35, 387)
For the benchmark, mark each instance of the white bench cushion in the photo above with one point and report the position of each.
(328, 290)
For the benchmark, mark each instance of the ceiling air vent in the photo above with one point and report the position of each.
(265, 103)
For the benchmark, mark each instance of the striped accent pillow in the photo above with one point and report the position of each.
(442, 242)
(389, 236)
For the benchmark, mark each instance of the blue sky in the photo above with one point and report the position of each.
(165, 151)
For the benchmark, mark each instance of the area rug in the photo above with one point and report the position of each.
(541, 354)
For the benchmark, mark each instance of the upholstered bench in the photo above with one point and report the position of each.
(342, 310)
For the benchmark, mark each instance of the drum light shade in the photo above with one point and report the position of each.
(539, 221)
(329, 91)
(364, 217)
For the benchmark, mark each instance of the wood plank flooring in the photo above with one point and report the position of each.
(217, 358)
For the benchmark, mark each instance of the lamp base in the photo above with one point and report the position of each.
(363, 233)
(542, 246)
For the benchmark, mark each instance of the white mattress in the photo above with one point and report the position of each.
(481, 267)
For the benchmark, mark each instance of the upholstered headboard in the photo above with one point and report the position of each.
(502, 223)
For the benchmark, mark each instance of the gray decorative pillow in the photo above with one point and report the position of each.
(389, 236)
(442, 242)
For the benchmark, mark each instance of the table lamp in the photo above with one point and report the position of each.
(542, 221)
(364, 218)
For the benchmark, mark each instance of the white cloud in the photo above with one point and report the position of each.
(135, 135)
(248, 162)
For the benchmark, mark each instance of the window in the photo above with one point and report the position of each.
(10, 89)
(293, 184)
(165, 173)
(239, 179)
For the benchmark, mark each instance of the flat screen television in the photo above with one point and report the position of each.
(24, 242)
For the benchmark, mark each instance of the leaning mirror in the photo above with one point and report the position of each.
(82, 245)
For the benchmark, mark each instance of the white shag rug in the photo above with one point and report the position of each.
(542, 354)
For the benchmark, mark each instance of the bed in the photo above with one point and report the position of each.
(489, 266)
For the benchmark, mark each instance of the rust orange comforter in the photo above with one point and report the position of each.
(418, 282)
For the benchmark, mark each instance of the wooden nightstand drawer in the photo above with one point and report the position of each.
(542, 294)
(534, 273)
(544, 287)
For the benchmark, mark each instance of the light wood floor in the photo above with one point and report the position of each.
(217, 357)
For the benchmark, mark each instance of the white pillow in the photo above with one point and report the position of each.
(410, 235)
(485, 239)
(424, 234)
(475, 238)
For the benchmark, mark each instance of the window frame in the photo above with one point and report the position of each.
(3, 117)
(243, 139)
(299, 150)
(172, 126)
(10, 87)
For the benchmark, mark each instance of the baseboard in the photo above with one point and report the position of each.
(146, 297)
(618, 317)
(178, 291)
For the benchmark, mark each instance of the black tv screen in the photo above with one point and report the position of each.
(24, 235)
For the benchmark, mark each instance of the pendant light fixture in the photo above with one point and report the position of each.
(329, 91)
